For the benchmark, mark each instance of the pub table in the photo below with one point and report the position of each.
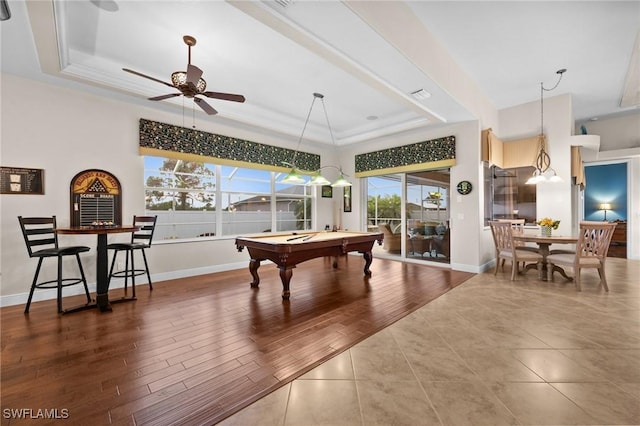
(102, 261)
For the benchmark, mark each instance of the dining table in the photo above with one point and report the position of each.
(102, 301)
(544, 243)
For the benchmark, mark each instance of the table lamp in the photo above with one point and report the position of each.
(605, 207)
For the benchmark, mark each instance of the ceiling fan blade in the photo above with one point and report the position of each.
(193, 74)
(205, 106)
(146, 76)
(163, 97)
(224, 96)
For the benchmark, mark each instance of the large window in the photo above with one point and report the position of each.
(384, 201)
(195, 199)
(507, 196)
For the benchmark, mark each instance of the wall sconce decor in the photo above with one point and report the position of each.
(295, 176)
(605, 207)
(544, 172)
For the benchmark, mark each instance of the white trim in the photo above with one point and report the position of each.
(51, 294)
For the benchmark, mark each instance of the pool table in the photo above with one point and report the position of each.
(287, 250)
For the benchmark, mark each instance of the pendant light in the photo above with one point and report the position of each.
(295, 176)
(543, 171)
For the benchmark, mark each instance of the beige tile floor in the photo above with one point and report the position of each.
(490, 352)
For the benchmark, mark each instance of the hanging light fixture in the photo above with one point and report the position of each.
(544, 172)
(295, 176)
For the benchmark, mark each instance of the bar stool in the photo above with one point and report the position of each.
(39, 232)
(140, 240)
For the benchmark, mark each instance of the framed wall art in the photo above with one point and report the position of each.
(327, 191)
(20, 180)
(347, 199)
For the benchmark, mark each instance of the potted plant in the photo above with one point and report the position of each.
(546, 225)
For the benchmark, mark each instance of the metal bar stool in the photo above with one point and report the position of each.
(39, 233)
(140, 240)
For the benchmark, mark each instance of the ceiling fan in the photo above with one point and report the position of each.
(190, 84)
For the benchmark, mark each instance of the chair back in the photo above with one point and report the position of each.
(516, 224)
(385, 229)
(518, 227)
(147, 226)
(502, 235)
(39, 232)
(594, 239)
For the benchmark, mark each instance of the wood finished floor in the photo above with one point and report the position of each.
(195, 350)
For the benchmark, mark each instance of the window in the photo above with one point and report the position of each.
(384, 201)
(507, 194)
(194, 199)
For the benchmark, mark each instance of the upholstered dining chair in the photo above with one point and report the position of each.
(591, 252)
(42, 242)
(518, 226)
(506, 249)
(140, 240)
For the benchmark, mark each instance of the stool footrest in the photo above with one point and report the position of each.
(54, 283)
(129, 273)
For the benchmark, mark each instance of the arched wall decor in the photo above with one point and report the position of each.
(96, 197)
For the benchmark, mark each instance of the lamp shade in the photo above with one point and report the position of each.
(341, 182)
(605, 206)
(319, 180)
(293, 177)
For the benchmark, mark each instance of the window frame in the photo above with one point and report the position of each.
(216, 223)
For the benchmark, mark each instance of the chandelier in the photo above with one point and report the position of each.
(295, 176)
(543, 171)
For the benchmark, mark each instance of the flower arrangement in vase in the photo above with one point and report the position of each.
(546, 225)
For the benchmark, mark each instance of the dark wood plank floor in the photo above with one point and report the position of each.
(195, 350)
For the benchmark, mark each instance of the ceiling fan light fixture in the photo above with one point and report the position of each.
(179, 79)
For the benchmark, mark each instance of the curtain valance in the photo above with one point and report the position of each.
(431, 154)
(577, 167)
(166, 140)
(510, 154)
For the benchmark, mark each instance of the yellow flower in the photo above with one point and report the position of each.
(547, 221)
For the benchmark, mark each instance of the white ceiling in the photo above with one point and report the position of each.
(365, 57)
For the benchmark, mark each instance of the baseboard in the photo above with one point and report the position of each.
(49, 294)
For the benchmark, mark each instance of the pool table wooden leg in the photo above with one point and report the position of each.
(254, 264)
(285, 276)
(368, 258)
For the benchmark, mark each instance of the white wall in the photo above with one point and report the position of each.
(615, 133)
(64, 132)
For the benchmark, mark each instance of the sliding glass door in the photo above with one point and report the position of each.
(426, 214)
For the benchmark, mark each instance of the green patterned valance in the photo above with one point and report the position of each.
(432, 154)
(166, 140)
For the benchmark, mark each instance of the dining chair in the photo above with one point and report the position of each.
(42, 242)
(140, 240)
(591, 252)
(518, 226)
(506, 249)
